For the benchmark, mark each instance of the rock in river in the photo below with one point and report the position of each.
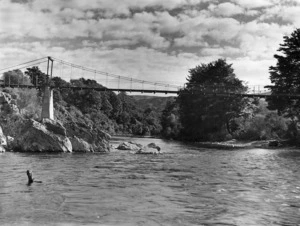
(151, 148)
(130, 146)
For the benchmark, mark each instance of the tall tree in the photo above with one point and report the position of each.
(207, 117)
(15, 77)
(37, 77)
(285, 76)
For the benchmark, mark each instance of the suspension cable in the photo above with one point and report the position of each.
(22, 64)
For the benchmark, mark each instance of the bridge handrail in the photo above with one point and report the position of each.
(114, 75)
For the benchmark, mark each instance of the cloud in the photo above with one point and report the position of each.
(290, 14)
(216, 29)
(226, 9)
(252, 4)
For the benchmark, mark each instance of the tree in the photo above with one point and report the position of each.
(37, 77)
(15, 77)
(286, 76)
(170, 120)
(209, 117)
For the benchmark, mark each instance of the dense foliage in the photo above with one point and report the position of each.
(115, 113)
(209, 117)
(15, 77)
(285, 77)
(171, 125)
(262, 124)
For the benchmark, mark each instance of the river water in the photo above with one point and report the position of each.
(187, 185)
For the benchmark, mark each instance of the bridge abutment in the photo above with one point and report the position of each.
(47, 108)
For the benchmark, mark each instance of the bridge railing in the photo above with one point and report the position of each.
(252, 89)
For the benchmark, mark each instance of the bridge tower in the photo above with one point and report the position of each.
(47, 108)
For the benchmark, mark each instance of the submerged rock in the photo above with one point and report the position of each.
(153, 146)
(273, 143)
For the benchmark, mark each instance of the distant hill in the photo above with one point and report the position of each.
(155, 103)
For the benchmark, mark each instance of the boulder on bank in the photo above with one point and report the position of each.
(3, 139)
(130, 146)
(77, 125)
(52, 136)
(2, 149)
(35, 137)
(79, 145)
(54, 126)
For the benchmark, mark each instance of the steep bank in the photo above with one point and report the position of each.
(68, 133)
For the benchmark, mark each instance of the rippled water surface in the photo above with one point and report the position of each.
(186, 185)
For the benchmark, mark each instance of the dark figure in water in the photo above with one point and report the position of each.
(30, 178)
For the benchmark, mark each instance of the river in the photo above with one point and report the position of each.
(186, 185)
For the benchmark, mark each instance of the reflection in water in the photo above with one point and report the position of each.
(187, 185)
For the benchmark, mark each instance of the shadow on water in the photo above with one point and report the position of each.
(292, 153)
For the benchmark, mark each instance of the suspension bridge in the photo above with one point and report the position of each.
(54, 67)
(67, 71)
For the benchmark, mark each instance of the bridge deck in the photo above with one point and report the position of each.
(217, 94)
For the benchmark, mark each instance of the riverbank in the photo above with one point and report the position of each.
(235, 144)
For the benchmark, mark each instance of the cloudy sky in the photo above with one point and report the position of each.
(156, 40)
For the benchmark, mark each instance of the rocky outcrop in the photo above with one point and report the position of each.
(52, 136)
(79, 145)
(3, 141)
(77, 126)
(69, 132)
(39, 137)
(55, 127)
(2, 149)
(130, 146)
(98, 140)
